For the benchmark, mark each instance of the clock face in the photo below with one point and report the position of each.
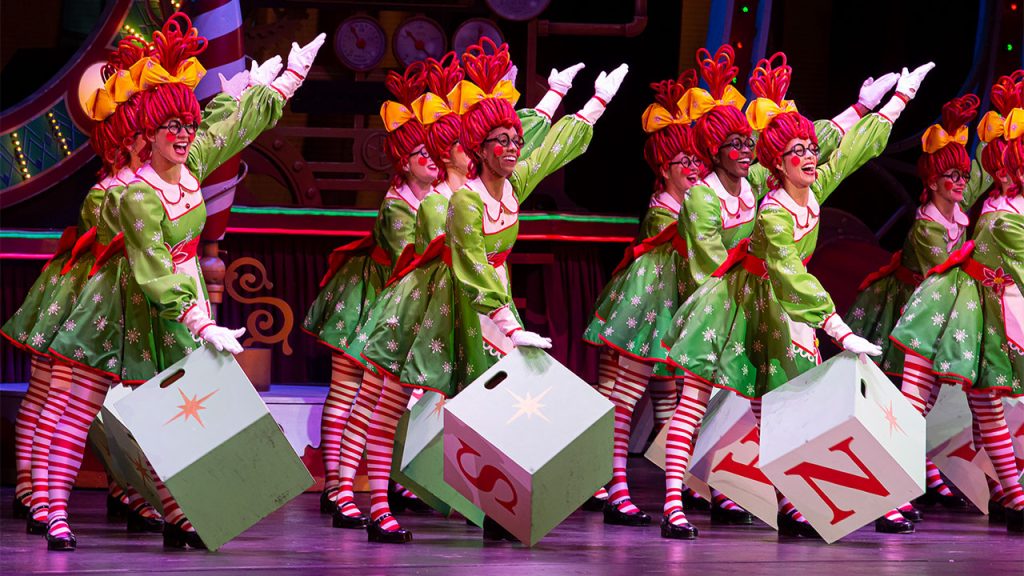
(360, 43)
(418, 38)
(518, 10)
(470, 32)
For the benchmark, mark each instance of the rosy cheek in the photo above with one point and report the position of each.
(734, 155)
(794, 161)
(458, 147)
(947, 185)
(170, 137)
(686, 171)
(421, 161)
(498, 150)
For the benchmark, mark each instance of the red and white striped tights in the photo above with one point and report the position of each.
(631, 381)
(682, 434)
(25, 424)
(345, 379)
(354, 440)
(56, 402)
(664, 399)
(380, 444)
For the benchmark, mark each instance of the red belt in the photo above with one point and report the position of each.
(67, 241)
(341, 254)
(757, 266)
(82, 245)
(993, 278)
(896, 268)
(407, 264)
(115, 247)
(638, 249)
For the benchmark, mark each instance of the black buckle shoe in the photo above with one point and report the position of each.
(137, 523)
(374, 533)
(116, 509)
(177, 537)
(594, 504)
(931, 497)
(496, 532)
(65, 543)
(33, 526)
(339, 520)
(20, 509)
(886, 526)
(685, 531)
(791, 527)
(914, 515)
(738, 517)
(1015, 521)
(327, 505)
(616, 517)
(996, 513)
(694, 502)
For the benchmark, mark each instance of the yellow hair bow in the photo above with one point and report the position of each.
(148, 73)
(395, 114)
(430, 107)
(466, 94)
(698, 102)
(936, 138)
(656, 116)
(100, 105)
(993, 125)
(105, 99)
(762, 110)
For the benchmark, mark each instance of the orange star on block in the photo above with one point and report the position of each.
(191, 407)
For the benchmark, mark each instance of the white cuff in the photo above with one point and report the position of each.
(505, 320)
(549, 103)
(846, 119)
(196, 320)
(893, 108)
(592, 110)
(836, 328)
(287, 83)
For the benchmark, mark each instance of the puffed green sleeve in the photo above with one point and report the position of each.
(864, 141)
(928, 240)
(798, 291)
(566, 140)
(977, 183)
(535, 127)
(395, 227)
(89, 213)
(259, 110)
(430, 220)
(472, 272)
(700, 224)
(151, 264)
(1008, 232)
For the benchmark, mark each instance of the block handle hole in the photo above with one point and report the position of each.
(177, 375)
(498, 378)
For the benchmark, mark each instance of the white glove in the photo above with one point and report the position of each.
(299, 61)
(909, 82)
(523, 338)
(872, 90)
(512, 74)
(223, 338)
(558, 84)
(236, 85)
(201, 327)
(264, 74)
(605, 88)
(841, 333)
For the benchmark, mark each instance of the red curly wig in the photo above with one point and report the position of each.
(121, 128)
(771, 80)
(953, 156)
(486, 70)
(1013, 161)
(713, 128)
(1005, 96)
(665, 144)
(171, 46)
(442, 134)
(401, 141)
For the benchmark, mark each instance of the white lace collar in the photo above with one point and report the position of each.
(665, 200)
(954, 228)
(733, 204)
(492, 206)
(405, 194)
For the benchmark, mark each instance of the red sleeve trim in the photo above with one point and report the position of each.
(275, 89)
(904, 97)
(543, 113)
(199, 333)
(297, 75)
(492, 313)
(181, 317)
(514, 330)
(860, 109)
(886, 118)
(598, 98)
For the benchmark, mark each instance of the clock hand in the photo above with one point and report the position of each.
(360, 42)
(416, 42)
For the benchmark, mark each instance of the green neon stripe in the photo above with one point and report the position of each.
(526, 217)
(30, 234)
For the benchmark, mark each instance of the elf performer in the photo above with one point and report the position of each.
(965, 324)
(355, 420)
(162, 215)
(752, 328)
(630, 321)
(952, 183)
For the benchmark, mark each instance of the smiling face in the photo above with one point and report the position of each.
(948, 186)
(420, 167)
(499, 152)
(457, 158)
(682, 173)
(173, 147)
(799, 170)
(734, 155)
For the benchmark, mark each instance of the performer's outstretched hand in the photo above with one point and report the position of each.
(264, 74)
(562, 81)
(223, 338)
(236, 85)
(605, 87)
(909, 82)
(859, 345)
(532, 339)
(872, 90)
(301, 57)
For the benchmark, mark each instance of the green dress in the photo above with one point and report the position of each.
(929, 243)
(480, 234)
(753, 329)
(134, 330)
(968, 316)
(53, 295)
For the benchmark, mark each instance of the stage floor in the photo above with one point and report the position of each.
(297, 539)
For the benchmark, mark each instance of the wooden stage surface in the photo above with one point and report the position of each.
(298, 540)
